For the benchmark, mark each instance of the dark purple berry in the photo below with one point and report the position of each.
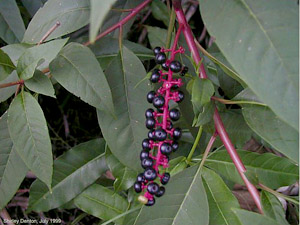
(174, 87)
(150, 123)
(144, 155)
(184, 71)
(166, 149)
(165, 179)
(146, 144)
(151, 96)
(160, 58)
(155, 76)
(174, 114)
(177, 133)
(158, 101)
(140, 178)
(151, 135)
(175, 66)
(147, 162)
(150, 202)
(181, 96)
(150, 174)
(156, 50)
(160, 134)
(153, 188)
(175, 146)
(160, 192)
(149, 113)
(170, 126)
(165, 67)
(137, 187)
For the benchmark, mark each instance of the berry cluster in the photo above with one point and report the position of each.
(162, 137)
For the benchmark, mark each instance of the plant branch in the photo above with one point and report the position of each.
(12, 84)
(50, 31)
(189, 158)
(208, 147)
(5, 216)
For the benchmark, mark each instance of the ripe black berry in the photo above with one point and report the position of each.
(156, 50)
(184, 71)
(175, 66)
(165, 179)
(181, 96)
(174, 114)
(160, 58)
(160, 134)
(166, 148)
(155, 76)
(165, 67)
(177, 133)
(150, 202)
(147, 162)
(160, 192)
(151, 96)
(146, 144)
(150, 123)
(137, 187)
(149, 113)
(170, 126)
(175, 146)
(174, 87)
(153, 188)
(140, 178)
(150, 174)
(151, 135)
(158, 101)
(144, 155)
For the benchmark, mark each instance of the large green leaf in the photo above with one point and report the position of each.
(28, 131)
(124, 134)
(277, 133)
(184, 202)
(77, 70)
(101, 202)
(5, 93)
(125, 177)
(14, 51)
(11, 24)
(272, 207)
(71, 14)
(72, 173)
(32, 57)
(252, 35)
(160, 12)
(99, 9)
(220, 200)
(12, 168)
(6, 65)
(157, 36)
(271, 170)
(251, 218)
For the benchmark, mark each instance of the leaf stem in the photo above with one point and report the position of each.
(208, 147)
(189, 158)
(170, 28)
(11, 84)
(230, 102)
(120, 216)
(50, 31)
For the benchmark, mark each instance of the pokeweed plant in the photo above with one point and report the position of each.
(242, 86)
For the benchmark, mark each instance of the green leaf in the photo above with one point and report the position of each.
(271, 170)
(71, 14)
(12, 168)
(256, 45)
(184, 202)
(5, 93)
(78, 71)
(6, 65)
(272, 207)
(220, 199)
(99, 9)
(125, 133)
(33, 56)
(75, 170)
(12, 27)
(14, 51)
(33, 6)
(160, 12)
(125, 177)
(101, 202)
(157, 36)
(277, 133)
(28, 131)
(202, 91)
(40, 83)
(205, 114)
(246, 95)
(177, 165)
(250, 218)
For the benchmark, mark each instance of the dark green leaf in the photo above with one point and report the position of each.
(246, 95)
(220, 200)
(32, 57)
(271, 170)
(11, 24)
(77, 70)
(71, 14)
(124, 134)
(6, 65)
(101, 202)
(177, 165)
(72, 173)
(202, 91)
(256, 44)
(12, 168)
(157, 36)
(14, 51)
(160, 12)
(33, 6)
(40, 83)
(29, 133)
(5, 93)
(99, 10)
(205, 114)
(184, 202)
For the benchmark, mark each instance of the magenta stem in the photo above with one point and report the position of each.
(217, 119)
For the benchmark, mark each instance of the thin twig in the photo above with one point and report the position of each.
(50, 31)
(11, 84)
(207, 150)
(189, 158)
(6, 217)
(230, 102)
(203, 34)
